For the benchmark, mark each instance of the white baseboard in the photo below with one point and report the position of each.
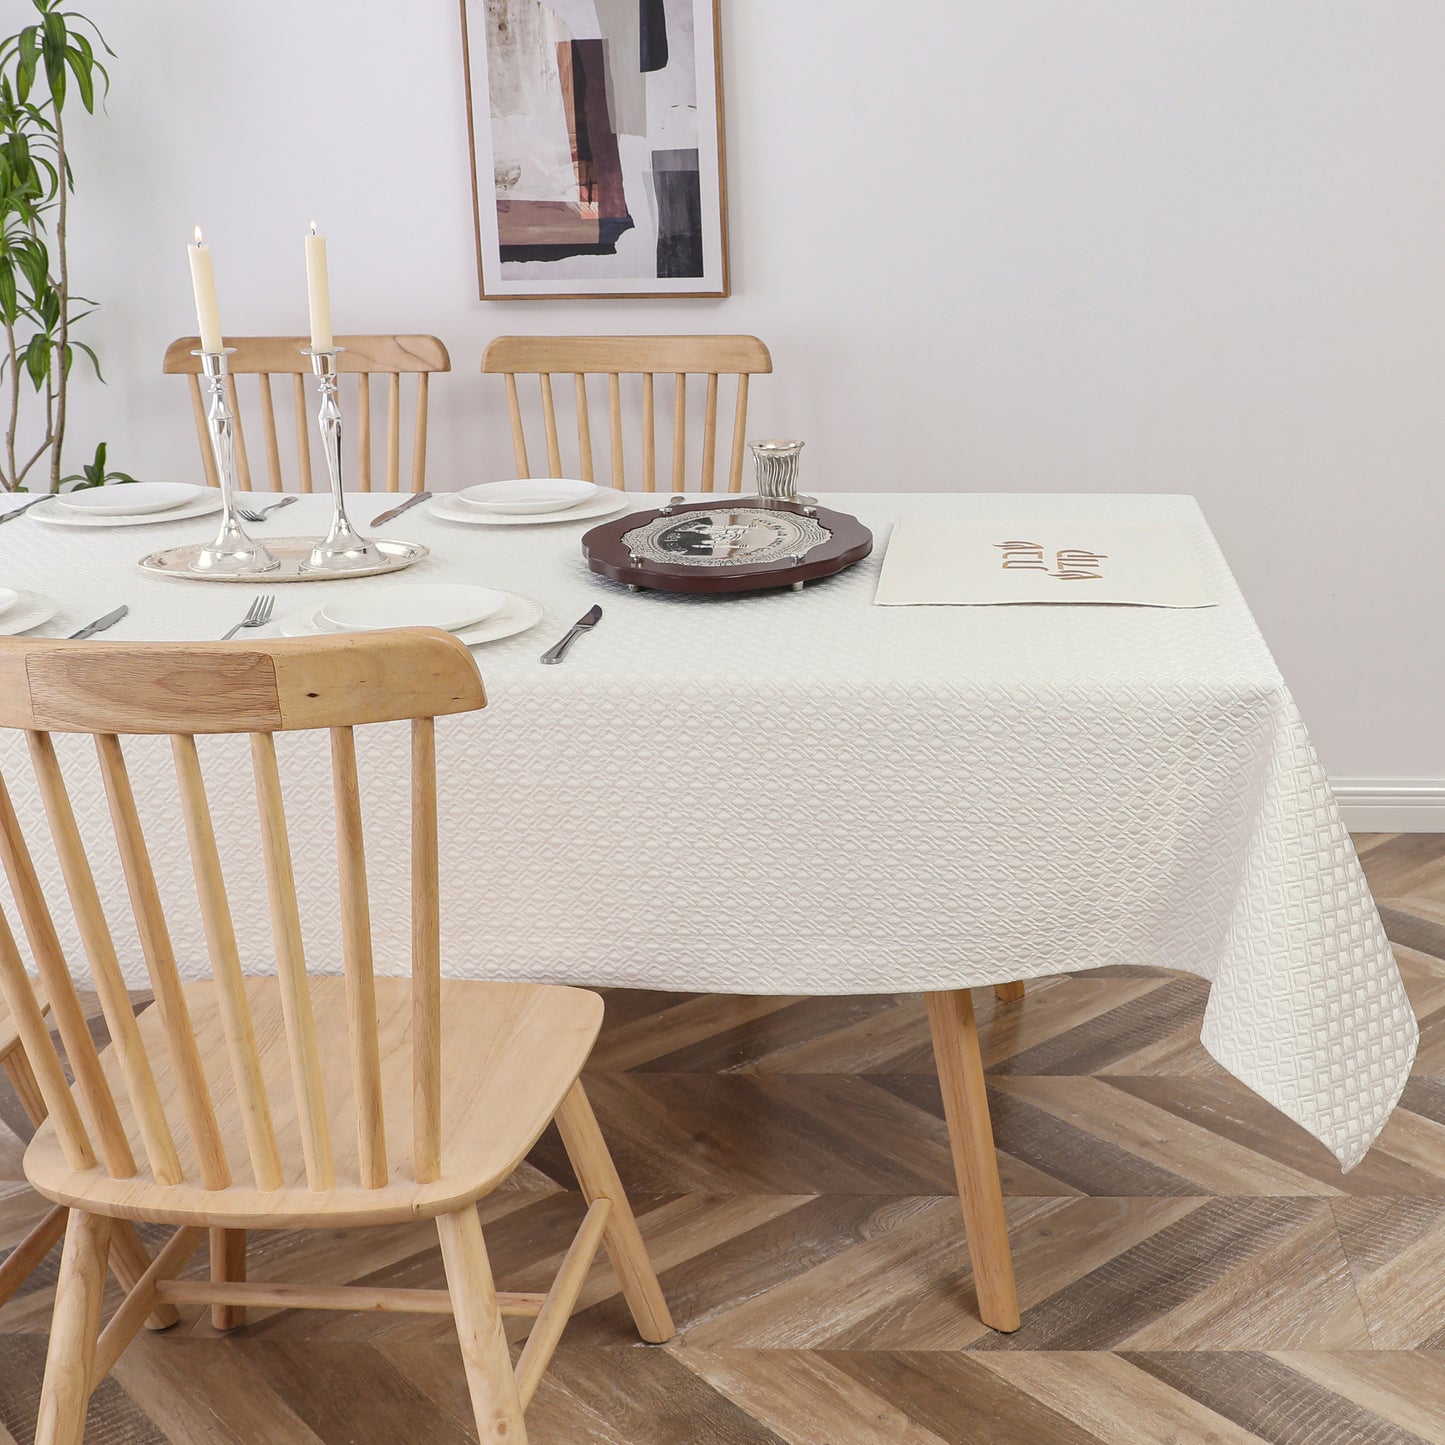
(1391, 805)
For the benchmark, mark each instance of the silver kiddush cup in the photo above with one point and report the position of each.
(776, 464)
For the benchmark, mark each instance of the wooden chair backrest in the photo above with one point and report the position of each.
(647, 357)
(186, 690)
(388, 357)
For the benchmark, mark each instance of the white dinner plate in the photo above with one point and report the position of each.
(129, 499)
(30, 609)
(8, 598)
(207, 500)
(448, 605)
(446, 506)
(518, 615)
(526, 496)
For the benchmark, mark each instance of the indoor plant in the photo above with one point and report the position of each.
(44, 67)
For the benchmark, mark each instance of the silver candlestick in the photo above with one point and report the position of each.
(343, 548)
(233, 550)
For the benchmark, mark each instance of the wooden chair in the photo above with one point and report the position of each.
(614, 357)
(263, 357)
(129, 1259)
(284, 1102)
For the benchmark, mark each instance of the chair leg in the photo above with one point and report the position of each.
(975, 1161)
(128, 1257)
(495, 1399)
(21, 1261)
(73, 1330)
(587, 1149)
(23, 1081)
(228, 1266)
(1008, 992)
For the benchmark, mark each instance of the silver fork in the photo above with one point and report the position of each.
(259, 514)
(257, 615)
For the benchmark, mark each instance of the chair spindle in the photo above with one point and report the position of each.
(614, 414)
(155, 941)
(268, 426)
(296, 1008)
(709, 433)
(105, 972)
(303, 433)
(584, 430)
(519, 437)
(418, 435)
(235, 1010)
(679, 431)
(393, 432)
(649, 438)
(96, 1099)
(357, 955)
(203, 432)
(238, 434)
(363, 430)
(35, 1040)
(740, 430)
(549, 426)
(425, 956)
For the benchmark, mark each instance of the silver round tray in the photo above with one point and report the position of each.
(290, 552)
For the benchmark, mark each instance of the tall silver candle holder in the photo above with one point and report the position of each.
(343, 549)
(233, 552)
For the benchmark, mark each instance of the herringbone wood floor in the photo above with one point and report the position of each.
(1193, 1268)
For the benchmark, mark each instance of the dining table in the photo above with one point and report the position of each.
(799, 792)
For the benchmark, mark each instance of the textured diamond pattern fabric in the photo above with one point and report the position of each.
(804, 793)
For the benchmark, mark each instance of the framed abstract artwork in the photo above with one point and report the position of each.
(596, 144)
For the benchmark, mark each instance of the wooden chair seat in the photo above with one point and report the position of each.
(510, 1053)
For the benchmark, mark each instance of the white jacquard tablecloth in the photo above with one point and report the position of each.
(804, 793)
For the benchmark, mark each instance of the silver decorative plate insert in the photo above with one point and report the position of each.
(725, 537)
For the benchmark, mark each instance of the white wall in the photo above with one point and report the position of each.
(1043, 244)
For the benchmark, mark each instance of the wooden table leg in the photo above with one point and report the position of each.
(1008, 992)
(975, 1163)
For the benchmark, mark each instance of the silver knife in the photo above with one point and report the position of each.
(585, 623)
(397, 511)
(21, 510)
(100, 623)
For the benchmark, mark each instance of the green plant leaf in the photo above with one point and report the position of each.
(80, 69)
(37, 359)
(28, 51)
(55, 75)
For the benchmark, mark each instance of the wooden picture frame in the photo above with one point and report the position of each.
(596, 145)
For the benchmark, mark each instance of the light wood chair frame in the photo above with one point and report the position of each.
(388, 358)
(128, 1257)
(578, 357)
(112, 1150)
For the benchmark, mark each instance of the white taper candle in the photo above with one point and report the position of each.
(203, 283)
(318, 289)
